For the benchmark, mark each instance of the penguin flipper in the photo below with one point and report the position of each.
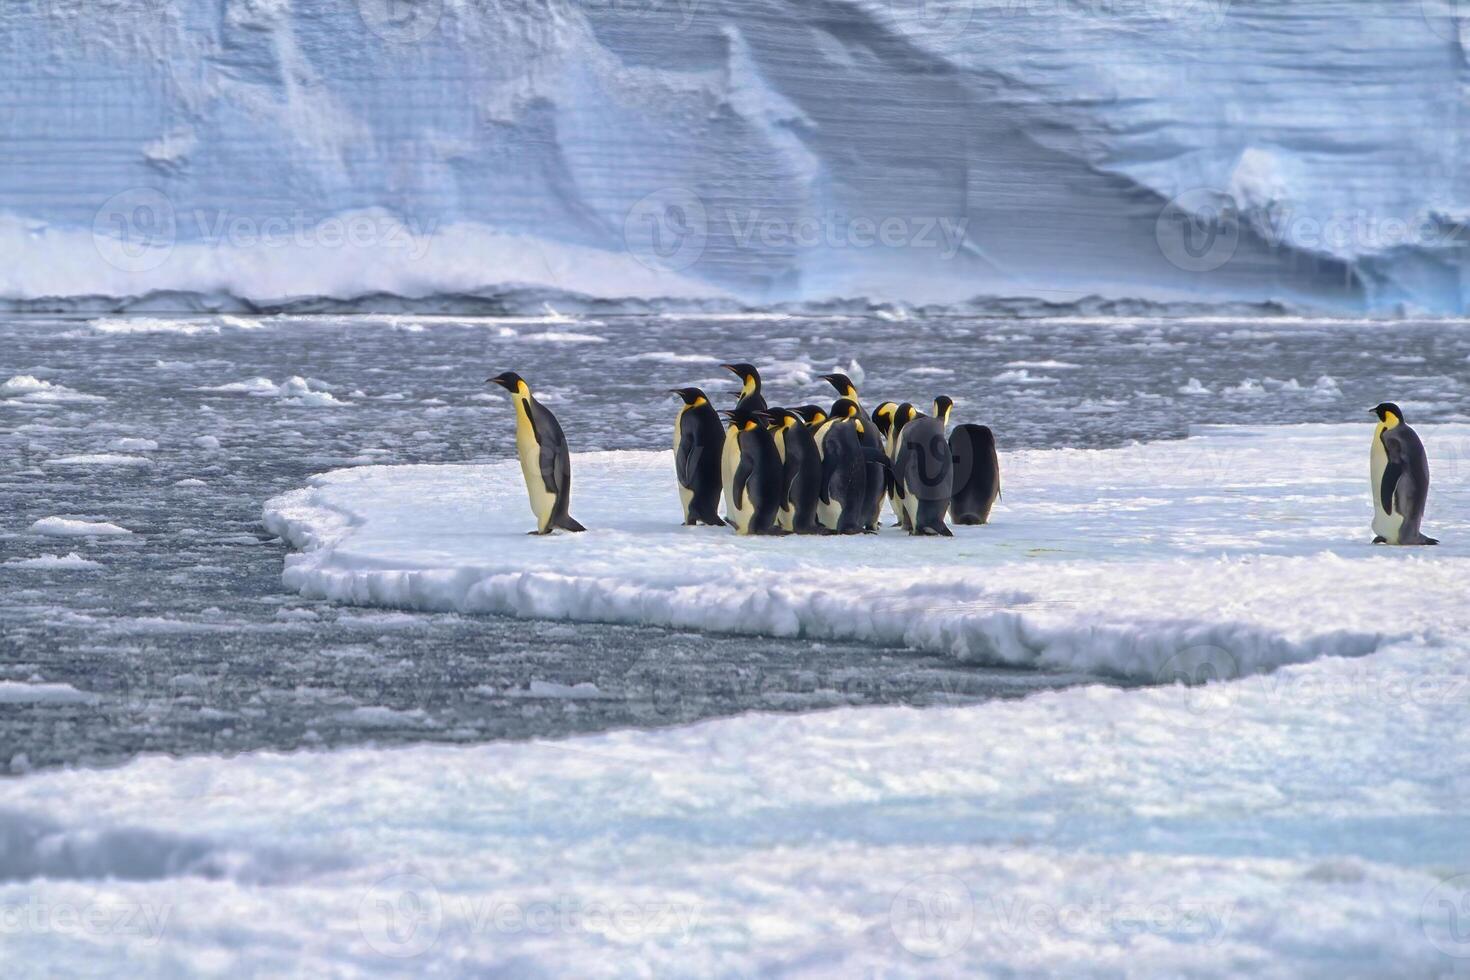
(1391, 474)
(742, 476)
(684, 462)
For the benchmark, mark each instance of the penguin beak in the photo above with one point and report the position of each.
(500, 379)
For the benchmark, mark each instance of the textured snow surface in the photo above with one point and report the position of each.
(768, 150)
(1306, 823)
(65, 527)
(1242, 548)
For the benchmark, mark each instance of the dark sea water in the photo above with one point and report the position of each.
(185, 641)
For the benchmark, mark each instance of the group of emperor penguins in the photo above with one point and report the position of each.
(803, 470)
(810, 470)
(807, 470)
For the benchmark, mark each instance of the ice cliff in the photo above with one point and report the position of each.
(219, 152)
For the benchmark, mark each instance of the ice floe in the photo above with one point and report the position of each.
(1309, 823)
(25, 389)
(70, 560)
(65, 527)
(1244, 543)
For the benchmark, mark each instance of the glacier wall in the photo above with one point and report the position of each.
(203, 152)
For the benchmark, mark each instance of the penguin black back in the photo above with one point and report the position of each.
(844, 486)
(752, 480)
(699, 440)
(546, 463)
(976, 474)
(801, 472)
(924, 475)
(1400, 476)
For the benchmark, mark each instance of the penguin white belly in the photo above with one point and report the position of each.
(729, 463)
(910, 515)
(1385, 525)
(785, 514)
(529, 450)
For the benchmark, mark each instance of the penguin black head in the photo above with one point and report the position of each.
(903, 415)
(691, 396)
(511, 382)
(942, 407)
(844, 408)
(1386, 409)
(750, 378)
(783, 418)
(883, 416)
(842, 383)
(742, 419)
(811, 414)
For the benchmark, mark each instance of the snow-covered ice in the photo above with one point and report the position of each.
(22, 692)
(100, 459)
(70, 560)
(1309, 823)
(65, 527)
(1246, 546)
(295, 390)
(25, 389)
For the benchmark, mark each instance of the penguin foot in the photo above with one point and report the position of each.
(1430, 541)
(1380, 539)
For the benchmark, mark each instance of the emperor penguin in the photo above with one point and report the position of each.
(943, 405)
(546, 463)
(699, 443)
(872, 442)
(1400, 479)
(801, 472)
(843, 491)
(976, 474)
(751, 470)
(751, 399)
(883, 420)
(813, 415)
(924, 476)
(902, 416)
